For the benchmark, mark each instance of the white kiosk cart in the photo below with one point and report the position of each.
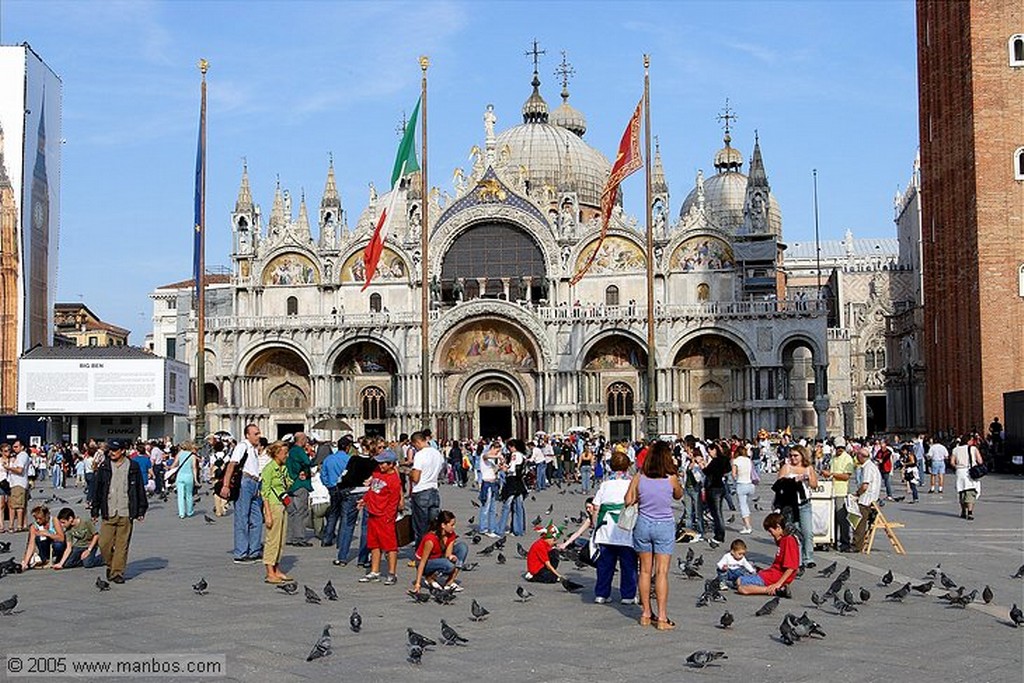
(823, 512)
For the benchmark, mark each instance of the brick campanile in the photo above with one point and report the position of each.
(971, 89)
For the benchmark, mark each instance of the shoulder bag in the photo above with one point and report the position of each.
(976, 471)
(627, 518)
(235, 485)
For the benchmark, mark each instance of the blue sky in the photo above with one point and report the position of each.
(828, 85)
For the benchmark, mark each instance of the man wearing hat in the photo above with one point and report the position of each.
(841, 471)
(119, 497)
(867, 493)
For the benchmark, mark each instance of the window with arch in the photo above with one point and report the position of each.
(611, 296)
(1018, 164)
(703, 292)
(1016, 47)
(620, 400)
(292, 305)
(374, 404)
(375, 303)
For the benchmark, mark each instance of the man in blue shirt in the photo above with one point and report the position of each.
(146, 467)
(333, 466)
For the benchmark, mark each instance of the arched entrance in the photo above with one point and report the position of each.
(712, 369)
(278, 378)
(363, 387)
(494, 406)
(805, 382)
(611, 375)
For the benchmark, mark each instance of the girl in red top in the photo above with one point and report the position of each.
(542, 558)
(382, 503)
(775, 579)
(440, 554)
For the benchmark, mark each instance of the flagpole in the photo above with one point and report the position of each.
(424, 239)
(204, 66)
(652, 418)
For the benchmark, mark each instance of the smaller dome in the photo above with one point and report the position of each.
(728, 158)
(568, 116)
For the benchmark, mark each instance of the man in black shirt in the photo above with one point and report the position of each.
(351, 488)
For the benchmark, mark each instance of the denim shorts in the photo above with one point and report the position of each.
(657, 536)
(750, 580)
(938, 467)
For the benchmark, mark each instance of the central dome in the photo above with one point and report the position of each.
(553, 155)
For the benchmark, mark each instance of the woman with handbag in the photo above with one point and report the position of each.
(966, 458)
(798, 469)
(653, 523)
(513, 492)
(182, 474)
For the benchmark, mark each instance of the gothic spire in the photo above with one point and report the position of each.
(303, 221)
(658, 183)
(757, 176)
(277, 217)
(331, 198)
(244, 202)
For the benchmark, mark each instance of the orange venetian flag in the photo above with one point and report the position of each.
(627, 161)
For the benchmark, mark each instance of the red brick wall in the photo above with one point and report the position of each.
(971, 121)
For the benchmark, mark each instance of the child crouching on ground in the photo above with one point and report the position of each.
(775, 579)
(542, 558)
(734, 564)
(382, 503)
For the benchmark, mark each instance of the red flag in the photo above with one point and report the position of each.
(627, 161)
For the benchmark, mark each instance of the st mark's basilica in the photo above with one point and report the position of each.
(514, 348)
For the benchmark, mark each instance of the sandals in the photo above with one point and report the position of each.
(665, 624)
(644, 621)
(274, 582)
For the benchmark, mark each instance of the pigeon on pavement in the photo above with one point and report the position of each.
(844, 575)
(450, 636)
(419, 597)
(887, 578)
(486, 550)
(355, 622)
(571, 586)
(200, 587)
(767, 608)
(1016, 616)
(1018, 575)
(291, 588)
(478, 612)
(102, 585)
(829, 570)
(501, 558)
(311, 596)
(476, 539)
(5, 546)
(965, 600)
(932, 573)
(812, 627)
(322, 647)
(8, 605)
(536, 521)
(865, 595)
(521, 551)
(835, 587)
(986, 595)
(470, 566)
(947, 582)
(702, 658)
(211, 520)
(924, 587)
(550, 508)
(787, 631)
(843, 607)
(951, 595)
(848, 597)
(816, 599)
(899, 594)
(727, 619)
(522, 594)
(329, 591)
(418, 639)
(415, 655)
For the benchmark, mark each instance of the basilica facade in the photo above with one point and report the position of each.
(514, 348)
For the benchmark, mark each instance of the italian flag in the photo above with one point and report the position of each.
(405, 163)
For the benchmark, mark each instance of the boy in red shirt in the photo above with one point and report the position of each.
(775, 579)
(542, 558)
(382, 503)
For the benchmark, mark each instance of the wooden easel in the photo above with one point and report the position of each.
(887, 527)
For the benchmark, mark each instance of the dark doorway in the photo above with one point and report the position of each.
(875, 408)
(620, 430)
(374, 429)
(286, 428)
(495, 421)
(712, 428)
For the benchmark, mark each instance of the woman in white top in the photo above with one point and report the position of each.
(615, 543)
(742, 467)
(964, 457)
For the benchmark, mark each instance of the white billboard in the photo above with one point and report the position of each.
(99, 386)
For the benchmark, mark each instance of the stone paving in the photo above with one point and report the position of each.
(555, 637)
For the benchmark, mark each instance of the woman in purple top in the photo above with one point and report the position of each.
(654, 489)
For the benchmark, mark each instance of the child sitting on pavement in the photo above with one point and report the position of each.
(775, 579)
(542, 558)
(734, 564)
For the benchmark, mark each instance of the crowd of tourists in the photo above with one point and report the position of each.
(302, 493)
